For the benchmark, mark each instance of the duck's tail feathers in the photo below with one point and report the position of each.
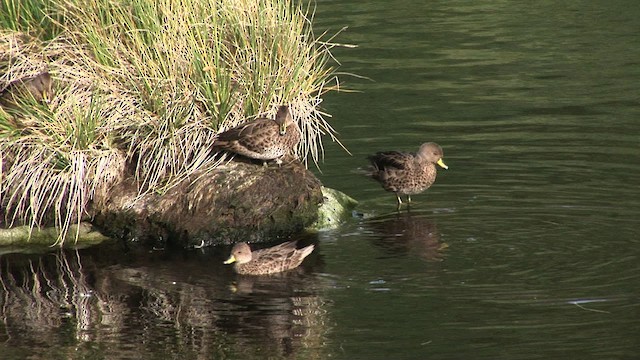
(305, 251)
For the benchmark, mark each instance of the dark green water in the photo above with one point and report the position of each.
(526, 248)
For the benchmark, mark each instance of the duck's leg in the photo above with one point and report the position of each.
(399, 202)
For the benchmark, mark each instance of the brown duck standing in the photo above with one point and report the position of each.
(271, 260)
(407, 173)
(263, 139)
(39, 87)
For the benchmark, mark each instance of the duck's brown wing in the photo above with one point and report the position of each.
(250, 139)
(391, 159)
(278, 258)
(248, 131)
(275, 253)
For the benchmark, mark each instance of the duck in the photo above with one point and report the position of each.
(276, 259)
(39, 87)
(263, 138)
(405, 173)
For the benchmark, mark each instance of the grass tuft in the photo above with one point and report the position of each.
(145, 84)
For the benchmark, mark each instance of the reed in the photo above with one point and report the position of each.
(146, 83)
(39, 17)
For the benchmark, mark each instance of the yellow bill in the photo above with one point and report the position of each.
(442, 164)
(230, 260)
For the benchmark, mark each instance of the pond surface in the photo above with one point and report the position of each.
(526, 248)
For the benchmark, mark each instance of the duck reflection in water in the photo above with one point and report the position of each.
(282, 312)
(406, 233)
(175, 297)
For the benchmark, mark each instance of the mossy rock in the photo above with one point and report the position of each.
(23, 239)
(335, 209)
(238, 201)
